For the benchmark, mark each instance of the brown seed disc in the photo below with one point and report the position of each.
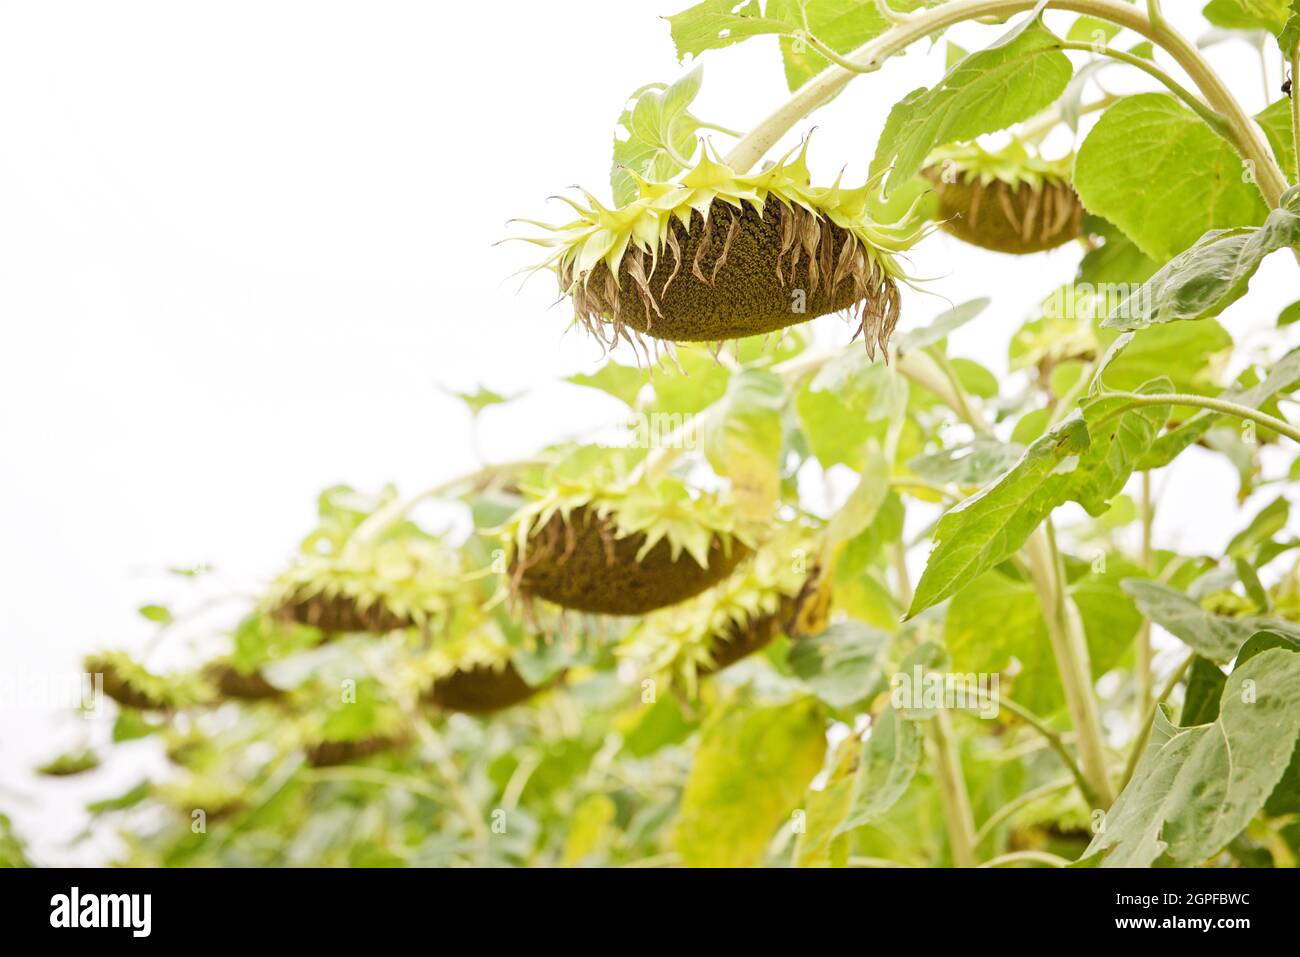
(581, 565)
(738, 273)
(232, 683)
(342, 614)
(480, 690)
(116, 687)
(326, 754)
(1008, 219)
(740, 642)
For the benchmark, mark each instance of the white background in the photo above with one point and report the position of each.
(246, 246)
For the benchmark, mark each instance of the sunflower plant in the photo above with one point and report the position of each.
(856, 607)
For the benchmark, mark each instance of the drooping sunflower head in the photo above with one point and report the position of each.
(716, 255)
(132, 685)
(730, 621)
(593, 537)
(353, 723)
(1007, 200)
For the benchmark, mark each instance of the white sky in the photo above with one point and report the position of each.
(245, 246)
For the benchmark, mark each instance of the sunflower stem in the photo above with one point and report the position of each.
(1243, 133)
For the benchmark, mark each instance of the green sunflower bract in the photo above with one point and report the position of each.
(1008, 200)
(717, 255)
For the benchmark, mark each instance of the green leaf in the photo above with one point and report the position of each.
(987, 528)
(851, 399)
(842, 664)
(1154, 169)
(1281, 376)
(942, 326)
(1209, 277)
(656, 726)
(658, 130)
(480, 399)
(1190, 354)
(1211, 636)
(744, 443)
(864, 502)
(1270, 520)
(843, 25)
(1117, 445)
(1289, 315)
(1091, 30)
(1270, 15)
(701, 382)
(1116, 260)
(1205, 683)
(890, 758)
(970, 464)
(156, 613)
(622, 382)
(1019, 75)
(750, 771)
(715, 24)
(1276, 122)
(1196, 788)
(1289, 39)
(997, 619)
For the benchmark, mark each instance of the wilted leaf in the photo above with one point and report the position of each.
(750, 771)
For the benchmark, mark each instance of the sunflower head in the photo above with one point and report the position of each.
(1008, 200)
(593, 537)
(715, 255)
(131, 684)
(736, 618)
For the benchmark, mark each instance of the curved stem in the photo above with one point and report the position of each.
(383, 518)
(1144, 676)
(1134, 399)
(1243, 132)
(1017, 804)
(1027, 857)
(1214, 120)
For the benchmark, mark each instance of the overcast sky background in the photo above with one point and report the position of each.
(246, 247)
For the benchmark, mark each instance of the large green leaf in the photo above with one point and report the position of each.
(750, 771)
(1019, 75)
(889, 761)
(997, 618)
(1276, 123)
(970, 464)
(842, 664)
(1196, 788)
(1209, 277)
(1211, 636)
(1270, 15)
(988, 527)
(1087, 459)
(1281, 376)
(743, 443)
(842, 25)
(1154, 169)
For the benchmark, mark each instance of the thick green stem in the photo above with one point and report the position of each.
(952, 793)
(1295, 108)
(1241, 129)
(1070, 647)
(1213, 120)
(1144, 679)
(1135, 399)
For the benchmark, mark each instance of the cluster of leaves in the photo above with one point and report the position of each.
(1033, 492)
